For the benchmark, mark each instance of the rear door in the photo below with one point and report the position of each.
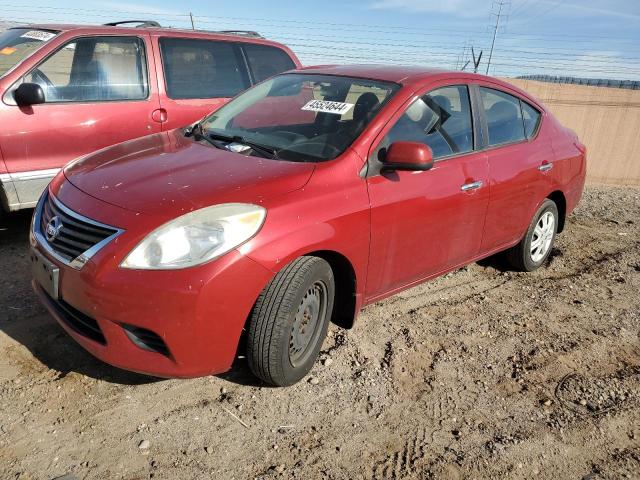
(198, 75)
(97, 93)
(520, 161)
(423, 223)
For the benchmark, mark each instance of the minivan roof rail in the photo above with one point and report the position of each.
(154, 24)
(142, 23)
(245, 33)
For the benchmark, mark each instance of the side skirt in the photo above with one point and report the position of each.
(23, 189)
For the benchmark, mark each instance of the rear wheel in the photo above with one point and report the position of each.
(289, 321)
(534, 249)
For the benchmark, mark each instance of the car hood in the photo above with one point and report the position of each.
(169, 174)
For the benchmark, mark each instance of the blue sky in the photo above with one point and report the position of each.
(558, 37)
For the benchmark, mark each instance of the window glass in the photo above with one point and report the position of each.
(300, 117)
(504, 118)
(94, 69)
(266, 61)
(201, 68)
(441, 119)
(17, 44)
(531, 119)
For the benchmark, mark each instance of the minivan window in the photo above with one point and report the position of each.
(531, 119)
(504, 117)
(17, 44)
(94, 69)
(196, 68)
(440, 119)
(266, 61)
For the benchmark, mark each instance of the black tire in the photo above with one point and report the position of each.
(520, 256)
(273, 348)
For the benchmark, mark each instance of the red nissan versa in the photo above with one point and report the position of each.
(300, 201)
(68, 90)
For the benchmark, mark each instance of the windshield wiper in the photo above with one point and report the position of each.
(263, 149)
(196, 132)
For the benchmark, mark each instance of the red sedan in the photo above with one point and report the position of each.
(305, 198)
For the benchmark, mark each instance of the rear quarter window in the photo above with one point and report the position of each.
(531, 117)
(195, 68)
(265, 61)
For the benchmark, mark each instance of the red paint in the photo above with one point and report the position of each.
(411, 154)
(48, 136)
(396, 229)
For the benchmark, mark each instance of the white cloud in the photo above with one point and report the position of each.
(137, 8)
(462, 8)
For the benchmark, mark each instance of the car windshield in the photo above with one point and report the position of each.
(18, 43)
(299, 117)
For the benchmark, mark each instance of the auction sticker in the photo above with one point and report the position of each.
(324, 106)
(38, 35)
(7, 51)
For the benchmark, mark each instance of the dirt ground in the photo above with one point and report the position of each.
(483, 373)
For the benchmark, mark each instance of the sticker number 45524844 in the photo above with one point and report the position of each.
(324, 106)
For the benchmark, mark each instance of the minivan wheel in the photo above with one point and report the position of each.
(534, 249)
(289, 321)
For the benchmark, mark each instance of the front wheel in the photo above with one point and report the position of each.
(535, 247)
(289, 321)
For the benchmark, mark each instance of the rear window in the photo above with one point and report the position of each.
(18, 43)
(196, 68)
(266, 61)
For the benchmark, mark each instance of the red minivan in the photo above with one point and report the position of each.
(68, 90)
(300, 201)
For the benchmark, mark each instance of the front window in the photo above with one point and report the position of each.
(18, 43)
(300, 117)
(440, 119)
(94, 69)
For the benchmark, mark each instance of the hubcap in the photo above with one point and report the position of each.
(307, 322)
(542, 236)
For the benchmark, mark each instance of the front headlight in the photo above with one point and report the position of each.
(197, 237)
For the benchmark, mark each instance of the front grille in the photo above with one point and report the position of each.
(76, 320)
(146, 339)
(75, 235)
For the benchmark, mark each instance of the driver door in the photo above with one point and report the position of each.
(98, 92)
(424, 223)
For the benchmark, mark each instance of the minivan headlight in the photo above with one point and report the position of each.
(197, 237)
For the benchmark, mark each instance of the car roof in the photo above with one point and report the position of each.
(409, 75)
(236, 35)
(393, 73)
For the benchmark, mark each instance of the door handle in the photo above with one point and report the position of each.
(545, 167)
(471, 186)
(159, 115)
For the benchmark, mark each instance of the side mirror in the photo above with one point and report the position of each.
(28, 94)
(412, 156)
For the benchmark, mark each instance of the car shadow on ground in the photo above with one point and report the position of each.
(23, 319)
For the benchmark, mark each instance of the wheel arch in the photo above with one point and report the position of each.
(560, 200)
(345, 305)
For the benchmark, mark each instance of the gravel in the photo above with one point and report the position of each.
(482, 373)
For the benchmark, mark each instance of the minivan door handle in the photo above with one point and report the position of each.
(159, 115)
(471, 186)
(546, 166)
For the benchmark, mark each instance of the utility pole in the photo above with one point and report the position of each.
(495, 32)
(193, 27)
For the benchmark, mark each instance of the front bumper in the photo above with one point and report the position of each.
(198, 313)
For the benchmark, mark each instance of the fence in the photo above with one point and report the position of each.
(607, 120)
